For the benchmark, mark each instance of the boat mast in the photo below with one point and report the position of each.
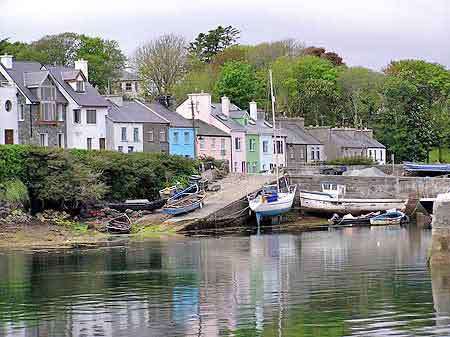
(272, 97)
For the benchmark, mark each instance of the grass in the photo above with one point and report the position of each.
(434, 156)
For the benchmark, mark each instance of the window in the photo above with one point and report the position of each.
(243, 166)
(136, 135)
(102, 143)
(265, 146)
(124, 134)
(279, 146)
(318, 154)
(80, 86)
(77, 116)
(60, 140)
(128, 86)
(291, 152)
(252, 145)
(213, 143)
(370, 153)
(130, 149)
(61, 111)
(222, 144)
(43, 139)
(48, 111)
(120, 148)
(91, 116)
(22, 112)
(235, 166)
(48, 93)
(312, 154)
(89, 143)
(186, 138)
(162, 136)
(175, 137)
(150, 137)
(237, 144)
(202, 143)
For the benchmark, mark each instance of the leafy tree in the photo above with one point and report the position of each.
(266, 53)
(238, 82)
(334, 58)
(206, 46)
(161, 63)
(60, 48)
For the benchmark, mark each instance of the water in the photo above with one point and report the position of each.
(352, 282)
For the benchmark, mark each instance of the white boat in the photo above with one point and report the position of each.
(332, 199)
(272, 200)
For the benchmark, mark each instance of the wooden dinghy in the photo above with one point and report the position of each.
(119, 225)
(186, 201)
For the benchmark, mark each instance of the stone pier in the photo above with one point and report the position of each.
(440, 247)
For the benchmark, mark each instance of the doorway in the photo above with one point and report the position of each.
(9, 136)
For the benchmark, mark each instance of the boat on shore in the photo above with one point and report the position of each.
(119, 225)
(349, 220)
(185, 201)
(138, 205)
(332, 199)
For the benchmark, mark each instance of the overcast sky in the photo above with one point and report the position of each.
(369, 33)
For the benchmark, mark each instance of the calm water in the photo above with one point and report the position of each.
(353, 282)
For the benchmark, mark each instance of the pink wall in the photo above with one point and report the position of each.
(213, 147)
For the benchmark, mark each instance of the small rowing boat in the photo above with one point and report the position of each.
(138, 205)
(119, 225)
(391, 217)
(349, 220)
(185, 201)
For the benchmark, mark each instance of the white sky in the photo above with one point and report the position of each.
(370, 33)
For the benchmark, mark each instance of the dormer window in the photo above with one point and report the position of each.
(48, 93)
(80, 86)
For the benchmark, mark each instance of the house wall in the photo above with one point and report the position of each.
(377, 154)
(77, 134)
(214, 146)
(157, 145)
(253, 159)
(315, 153)
(331, 150)
(182, 148)
(239, 158)
(265, 157)
(202, 107)
(296, 154)
(279, 158)
(30, 128)
(8, 119)
(129, 142)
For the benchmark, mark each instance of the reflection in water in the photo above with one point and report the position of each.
(441, 295)
(360, 282)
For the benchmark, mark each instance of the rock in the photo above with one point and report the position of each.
(440, 246)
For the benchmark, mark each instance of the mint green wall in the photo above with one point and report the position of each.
(253, 157)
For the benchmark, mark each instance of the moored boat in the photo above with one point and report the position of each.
(391, 217)
(350, 220)
(332, 200)
(138, 205)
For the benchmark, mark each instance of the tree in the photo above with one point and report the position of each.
(60, 49)
(360, 88)
(266, 53)
(161, 63)
(334, 58)
(206, 46)
(238, 82)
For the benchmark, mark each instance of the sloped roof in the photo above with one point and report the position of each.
(17, 74)
(35, 78)
(297, 135)
(217, 107)
(129, 75)
(175, 119)
(205, 129)
(90, 97)
(133, 112)
(259, 127)
(70, 75)
(357, 140)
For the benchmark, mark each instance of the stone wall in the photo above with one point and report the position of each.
(383, 187)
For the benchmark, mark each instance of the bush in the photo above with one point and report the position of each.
(14, 191)
(351, 161)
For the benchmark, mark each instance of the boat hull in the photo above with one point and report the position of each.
(325, 203)
(177, 211)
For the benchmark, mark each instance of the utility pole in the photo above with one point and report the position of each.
(193, 127)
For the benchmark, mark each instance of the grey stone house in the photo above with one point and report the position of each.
(40, 108)
(301, 147)
(129, 84)
(133, 127)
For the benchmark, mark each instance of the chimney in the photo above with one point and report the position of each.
(7, 61)
(83, 66)
(116, 99)
(253, 110)
(225, 105)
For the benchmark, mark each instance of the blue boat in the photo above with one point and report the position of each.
(391, 217)
(185, 201)
(423, 168)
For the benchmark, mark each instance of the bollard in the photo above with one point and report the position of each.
(440, 246)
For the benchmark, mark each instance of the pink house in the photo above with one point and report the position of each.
(212, 142)
(218, 115)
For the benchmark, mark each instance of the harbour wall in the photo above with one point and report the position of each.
(376, 187)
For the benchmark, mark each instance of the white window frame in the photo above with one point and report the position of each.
(162, 136)
(150, 136)
(123, 135)
(187, 140)
(265, 144)
(89, 143)
(176, 138)
(60, 140)
(75, 113)
(202, 143)
(47, 116)
(252, 145)
(94, 114)
(213, 143)
(136, 135)
(237, 143)
(21, 112)
(120, 148)
(43, 139)
(126, 87)
(80, 86)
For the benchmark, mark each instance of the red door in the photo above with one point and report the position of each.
(9, 136)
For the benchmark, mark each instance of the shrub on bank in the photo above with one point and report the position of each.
(70, 179)
(359, 160)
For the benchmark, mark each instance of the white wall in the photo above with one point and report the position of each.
(377, 154)
(202, 107)
(9, 119)
(315, 148)
(117, 137)
(265, 158)
(280, 158)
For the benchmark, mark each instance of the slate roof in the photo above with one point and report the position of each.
(35, 78)
(358, 140)
(175, 119)
(129, 75)
(17, 74)
(205, 129)
(90, 97)
(297, 135)
(70, 75)
(133, 112)
(259, 127)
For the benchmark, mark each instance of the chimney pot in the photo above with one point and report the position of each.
(226, 106)
(253, 110)
(7, 61)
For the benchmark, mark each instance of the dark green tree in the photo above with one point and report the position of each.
(207, 45)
